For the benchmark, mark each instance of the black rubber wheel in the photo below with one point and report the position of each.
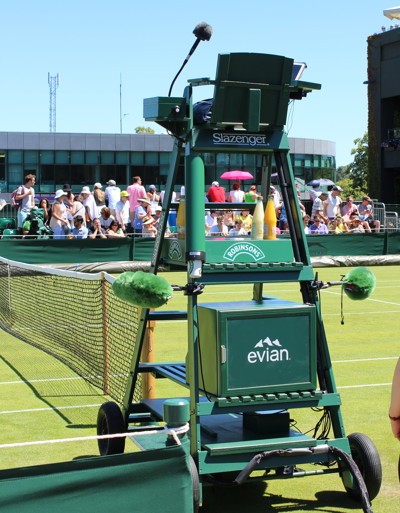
(366, 457)
(195, 484)
(110, 421)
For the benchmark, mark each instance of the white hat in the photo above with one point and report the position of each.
(111, 182)
(215, 184)
(144, 200)
(98, 185)
(85, 190)
(60, 193)
(158, 208)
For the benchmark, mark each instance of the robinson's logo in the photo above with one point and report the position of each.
(175, 251)
(243, 248)
(268, 350)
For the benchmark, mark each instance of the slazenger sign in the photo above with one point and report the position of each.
(239, 140)
(243, 248)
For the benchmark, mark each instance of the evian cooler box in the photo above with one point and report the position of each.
(251, 347)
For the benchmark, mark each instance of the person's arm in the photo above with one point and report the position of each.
(394, 410)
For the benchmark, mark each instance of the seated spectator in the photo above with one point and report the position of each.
(247, 220)
(237, 230)
(114, 230)
(337, 226)
(220, 228)
(78, 209)
(236, 195)
(306, 221)
(79, 231)
(106, 218)
(229, 222)
(97, 232)
(149, 229)
(349, 208)
(252, 195)
(216, 193)
(366, 215)
(210, 220)
(318, 228)
(356, 225)
(45, 205)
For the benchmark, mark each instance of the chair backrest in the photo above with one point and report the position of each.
(7, 222)
(252, 90)
(10, 233)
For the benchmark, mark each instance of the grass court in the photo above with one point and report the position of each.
(42, 400)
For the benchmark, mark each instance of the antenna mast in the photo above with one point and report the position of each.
(54, 82)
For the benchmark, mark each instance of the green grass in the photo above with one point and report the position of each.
(363, 351)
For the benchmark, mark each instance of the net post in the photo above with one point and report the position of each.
(106, 371)
(148, 380)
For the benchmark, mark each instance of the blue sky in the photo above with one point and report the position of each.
(91, 42)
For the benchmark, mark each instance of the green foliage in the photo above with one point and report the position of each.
(349, 190)
(358, 169)
(144, 130)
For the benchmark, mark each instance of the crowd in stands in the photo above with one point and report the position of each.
(109, 212)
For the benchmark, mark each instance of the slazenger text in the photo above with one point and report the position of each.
(239, 140)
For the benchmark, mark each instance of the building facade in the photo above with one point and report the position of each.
(384, 115)
(83, 159)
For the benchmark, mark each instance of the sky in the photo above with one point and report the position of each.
(112, 55)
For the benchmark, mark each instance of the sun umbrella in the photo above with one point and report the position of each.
(320, 181)
(237, 175)
(393, 13)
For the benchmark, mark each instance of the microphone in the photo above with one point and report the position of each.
(142, 289)
(203, 32)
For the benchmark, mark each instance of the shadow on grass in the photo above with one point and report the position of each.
(254, 498)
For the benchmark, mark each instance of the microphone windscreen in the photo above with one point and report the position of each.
(359, 283)
(203, 31)
(142, 289)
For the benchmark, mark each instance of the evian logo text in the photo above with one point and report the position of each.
(240, 140)
(268, 351)
(243, 248)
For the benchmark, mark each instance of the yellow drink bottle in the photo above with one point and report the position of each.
(270, 220)
(257, 228)
(180, 217)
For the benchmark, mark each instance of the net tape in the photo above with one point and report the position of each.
(74, 317)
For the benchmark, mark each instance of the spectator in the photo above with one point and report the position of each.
(216, 193)
(332, 203)
(106, 218)
(306, 220)
(237, 230)
(252, 195)
(366, 215)
(315, 192)
(25, 194)
(349, 208)
(79, 231)
(114, 230)
(236, 195)
(318, 206)
(122, 211)
(59, 222)
(154, 198)
(173, 197)
(90, 205)
(318, 228)
(97, 232)
(99, 196)
(356, 225)
(112, 195)
(140, 214)
(337, 226)
(78, 210)
(277, 197)
(247, 220)
(149, 229)
(44, 203)
(394, 409)
(210, 220)
(135, 191)
(220, 228)
(69, 199)
(229, 222)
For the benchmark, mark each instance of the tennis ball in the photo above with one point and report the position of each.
(359, 283)
(142, 289)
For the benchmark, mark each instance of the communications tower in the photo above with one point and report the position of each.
(54, 82)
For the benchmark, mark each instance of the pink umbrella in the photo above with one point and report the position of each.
(237, 175)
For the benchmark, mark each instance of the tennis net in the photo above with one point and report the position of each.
(73, 317)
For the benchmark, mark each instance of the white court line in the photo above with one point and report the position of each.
(368, 299)
(367, 359)
(363, 386)
(51, 409)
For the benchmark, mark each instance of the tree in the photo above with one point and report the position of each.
(144, 130)
(353, 178)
